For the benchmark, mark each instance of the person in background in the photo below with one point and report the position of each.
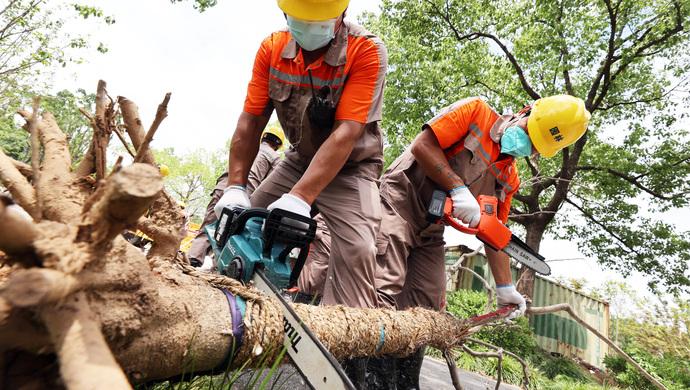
(272, 142)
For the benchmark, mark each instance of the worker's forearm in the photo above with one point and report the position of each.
(431, 158)
(244, 147)
(499, 263)
(328, 161)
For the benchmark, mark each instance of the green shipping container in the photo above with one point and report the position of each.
(557, 332)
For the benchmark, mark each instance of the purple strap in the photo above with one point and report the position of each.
(237, 324)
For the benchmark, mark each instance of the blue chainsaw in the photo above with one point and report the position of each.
(254, 246)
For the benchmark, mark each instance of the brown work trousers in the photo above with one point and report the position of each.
(200, 244)
(410, 263)
(313, 276)
(351, 207)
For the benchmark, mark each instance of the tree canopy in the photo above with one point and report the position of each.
(626, 58)
(192, 177)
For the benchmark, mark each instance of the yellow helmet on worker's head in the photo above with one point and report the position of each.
(277, 131)
(556, 122)
(164, 170)
(313, 9)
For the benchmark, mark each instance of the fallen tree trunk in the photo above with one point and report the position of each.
(110, 316)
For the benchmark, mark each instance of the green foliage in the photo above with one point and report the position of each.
(563, 366)
(626, 62)
(34, 39)
(192, 177)
(65, 107)
(654, 333)
(201, 5)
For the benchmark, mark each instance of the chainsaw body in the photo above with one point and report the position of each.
(253, 246)
(490, 230)
(244, 240)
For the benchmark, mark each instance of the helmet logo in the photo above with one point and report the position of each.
(556, 134)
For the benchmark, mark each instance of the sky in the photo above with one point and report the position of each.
(205, 60)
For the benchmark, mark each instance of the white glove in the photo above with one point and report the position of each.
(465, 206)
(508, 295)
(293, 204)
(233, 196)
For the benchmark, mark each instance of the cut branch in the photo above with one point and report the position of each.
(35, 286)
(126, 197)
(35, 156)
(85, 359)
(133, 126)
(22, 192)
(161, 114)
(16, 233)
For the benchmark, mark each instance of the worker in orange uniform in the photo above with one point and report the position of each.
(324, 77)
(468, 150)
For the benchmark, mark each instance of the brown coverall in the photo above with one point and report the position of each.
(353, 68)
(410, 251)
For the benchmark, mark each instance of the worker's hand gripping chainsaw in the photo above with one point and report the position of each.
(253, 246)
(491, 231)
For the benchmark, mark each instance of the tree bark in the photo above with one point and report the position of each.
(526, 276)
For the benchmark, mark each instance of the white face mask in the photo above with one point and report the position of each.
(311, 35)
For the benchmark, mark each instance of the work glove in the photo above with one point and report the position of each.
(293, 204)
(234, 196)
(465, 206)
(506, 294)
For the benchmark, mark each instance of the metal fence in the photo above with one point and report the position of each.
(557, 332)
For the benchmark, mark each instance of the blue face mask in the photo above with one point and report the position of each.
(311, 35)
(516, 142)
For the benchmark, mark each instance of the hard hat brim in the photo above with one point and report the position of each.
(316, 11)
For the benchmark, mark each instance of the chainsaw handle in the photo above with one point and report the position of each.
(449, 220)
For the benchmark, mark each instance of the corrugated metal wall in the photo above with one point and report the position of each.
(555, 332)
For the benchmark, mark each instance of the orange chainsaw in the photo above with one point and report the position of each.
(491, 231)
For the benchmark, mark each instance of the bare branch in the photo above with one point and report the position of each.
(498, 355)
(632, 180)
(525, 371)
(454, 374)
(477, 34)
(591, 217)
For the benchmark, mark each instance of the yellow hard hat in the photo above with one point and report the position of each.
(313, 9)
(164, 170)
(556, 122)
(277, 131)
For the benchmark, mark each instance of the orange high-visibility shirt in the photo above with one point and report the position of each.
(356, 66)
(474, 118)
